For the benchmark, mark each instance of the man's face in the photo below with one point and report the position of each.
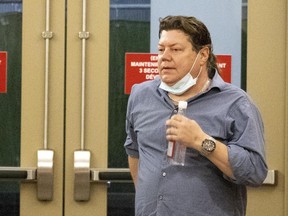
(175, 56)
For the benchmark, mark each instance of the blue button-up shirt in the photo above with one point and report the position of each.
(226, 113)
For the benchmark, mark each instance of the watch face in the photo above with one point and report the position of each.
(209, 145)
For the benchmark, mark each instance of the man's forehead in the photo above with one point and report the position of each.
(173, 38)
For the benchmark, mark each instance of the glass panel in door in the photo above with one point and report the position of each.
(10, 100)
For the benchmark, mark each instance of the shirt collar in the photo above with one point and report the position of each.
(217, 82)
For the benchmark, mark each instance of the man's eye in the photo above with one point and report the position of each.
(176, 50)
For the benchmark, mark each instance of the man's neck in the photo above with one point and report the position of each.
(201, 85)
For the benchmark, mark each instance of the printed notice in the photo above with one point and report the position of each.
(3, 72)
(140, 67)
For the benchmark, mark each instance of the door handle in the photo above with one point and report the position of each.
(82, 175)
(45, 175)
(82, 156)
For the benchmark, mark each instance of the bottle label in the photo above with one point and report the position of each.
(170, 150)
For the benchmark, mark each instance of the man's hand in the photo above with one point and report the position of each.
(186, 131)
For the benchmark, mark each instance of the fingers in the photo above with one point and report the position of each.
(174, 121)
(171, 135)
(172, 131)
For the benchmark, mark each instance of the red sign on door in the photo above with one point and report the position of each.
(3, 72)
(140, 67)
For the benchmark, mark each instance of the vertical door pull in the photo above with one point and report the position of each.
(45, 175)
(45, 157)
(82, 156)
(82, 175)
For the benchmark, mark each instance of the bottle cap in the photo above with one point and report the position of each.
(182, 105)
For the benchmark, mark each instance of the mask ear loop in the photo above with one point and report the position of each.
(200, 70)
(194, 63)
(201, 67)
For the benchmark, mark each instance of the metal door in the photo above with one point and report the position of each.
(54, 108)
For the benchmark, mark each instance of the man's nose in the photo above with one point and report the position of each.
(165, 56)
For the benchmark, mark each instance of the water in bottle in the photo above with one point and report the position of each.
(176, 151)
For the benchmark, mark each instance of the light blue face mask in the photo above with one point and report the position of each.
(184, 84)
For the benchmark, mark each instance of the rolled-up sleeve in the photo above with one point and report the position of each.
(131, 144)
(246, 149)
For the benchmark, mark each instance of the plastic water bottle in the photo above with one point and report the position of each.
(176, 151)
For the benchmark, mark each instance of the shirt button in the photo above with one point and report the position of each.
(164, 174)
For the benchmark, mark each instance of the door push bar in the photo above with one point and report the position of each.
(43, 175)
(84, 175)
(18, 174)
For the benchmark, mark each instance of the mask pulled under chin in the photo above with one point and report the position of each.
(181, 86)
(184, 84)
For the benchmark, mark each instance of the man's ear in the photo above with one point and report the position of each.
(204, 55)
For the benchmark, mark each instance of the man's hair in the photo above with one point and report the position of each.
(199, 35)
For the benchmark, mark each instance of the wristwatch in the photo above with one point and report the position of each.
(208, 146)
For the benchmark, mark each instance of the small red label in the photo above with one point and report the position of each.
(3, 72)
(140, 67)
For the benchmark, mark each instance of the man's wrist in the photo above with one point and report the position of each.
(208, 146)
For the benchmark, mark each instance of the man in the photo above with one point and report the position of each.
(222, 130)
